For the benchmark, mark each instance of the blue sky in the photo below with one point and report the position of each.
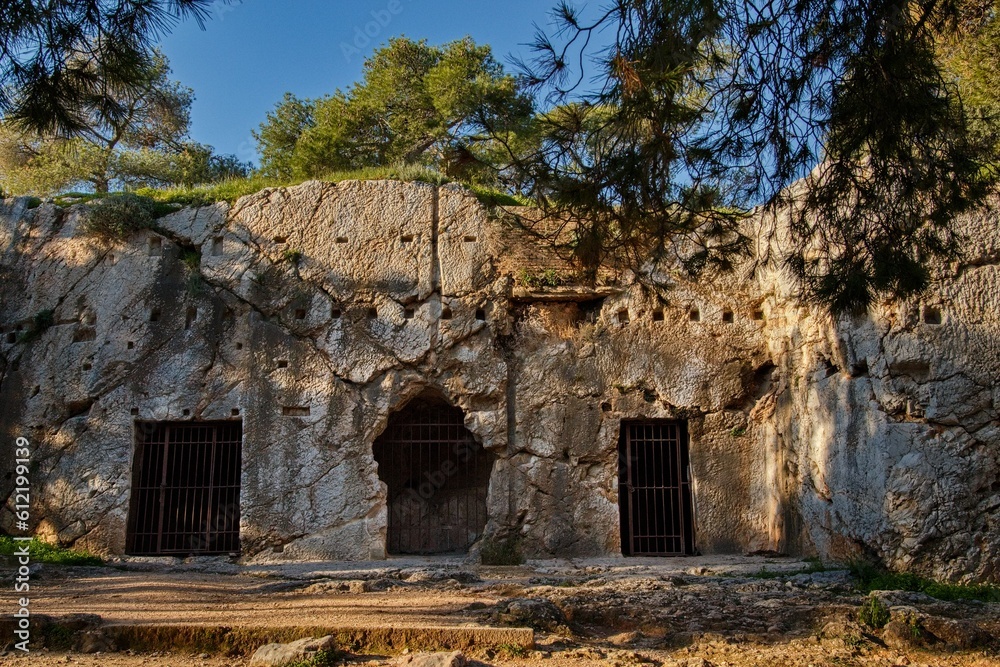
(250, 53)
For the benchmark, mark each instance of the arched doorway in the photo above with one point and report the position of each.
(438, 476)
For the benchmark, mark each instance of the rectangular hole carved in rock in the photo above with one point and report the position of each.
(155, 246)
(282, 363)
(154, 315)
(336, 313)
(281, 240)
(296, 411)
(757, 315)
(341, 239)
(11, 338)
(135, 412)
(469, 239)
(372, 313)
(446, 313)
(130, 345)
(88, 366)
(239, 346)
(727, 317)
(300, 313)
(694, 315)
(190, 317)
(235, 412)
(623, 317)
(406, 238)
(409, 313)
(932, 315)
(481, 314)
(658, 315)
(185, 488)
(218, 246)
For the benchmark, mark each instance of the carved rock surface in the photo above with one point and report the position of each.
(315, 312)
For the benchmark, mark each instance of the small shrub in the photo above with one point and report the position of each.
(871, 577)
(873, 613)
(40, 323)
(501, 552)
(293, 256)
(547, 278)
(815, 564)
(738, 432)
(33, 202)
(42, 552)
(191, 259)
(118, 216)
(509, 651)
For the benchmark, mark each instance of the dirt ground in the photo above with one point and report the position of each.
(705, 612)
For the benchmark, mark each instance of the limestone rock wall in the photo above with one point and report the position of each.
(314, 312)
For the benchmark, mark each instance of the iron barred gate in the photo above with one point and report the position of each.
(654, 489)
(185, 488)
(438, 478)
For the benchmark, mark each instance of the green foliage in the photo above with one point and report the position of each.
(501, 552)
(60, 64)
(33, 202)
(40, 323)
(143, 140)
(293, 256)
(118, 216)
(415, 104)
(873, 613)
(191, 258)
(738, 432)
(970, 57)
(490, 196)
(704, 108)
(869, 577)
(546, 278)
(511, 651)
(232, 189)
(42, 552)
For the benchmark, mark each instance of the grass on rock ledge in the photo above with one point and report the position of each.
(233, 189)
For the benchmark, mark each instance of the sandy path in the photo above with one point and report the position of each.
(144, 597)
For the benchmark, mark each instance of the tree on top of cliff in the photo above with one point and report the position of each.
(416, 104)
(144, 142)
(703, 109)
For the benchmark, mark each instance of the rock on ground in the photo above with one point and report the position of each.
(279, 655)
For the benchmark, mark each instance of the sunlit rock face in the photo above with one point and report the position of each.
(312, 314)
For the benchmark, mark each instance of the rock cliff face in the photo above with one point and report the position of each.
(316, 312)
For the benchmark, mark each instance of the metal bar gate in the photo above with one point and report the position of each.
(185, 488)
(438, 478)
(654, 491)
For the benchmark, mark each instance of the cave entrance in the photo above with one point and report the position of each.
(438, 476)
(654, 489)
(185, 489)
